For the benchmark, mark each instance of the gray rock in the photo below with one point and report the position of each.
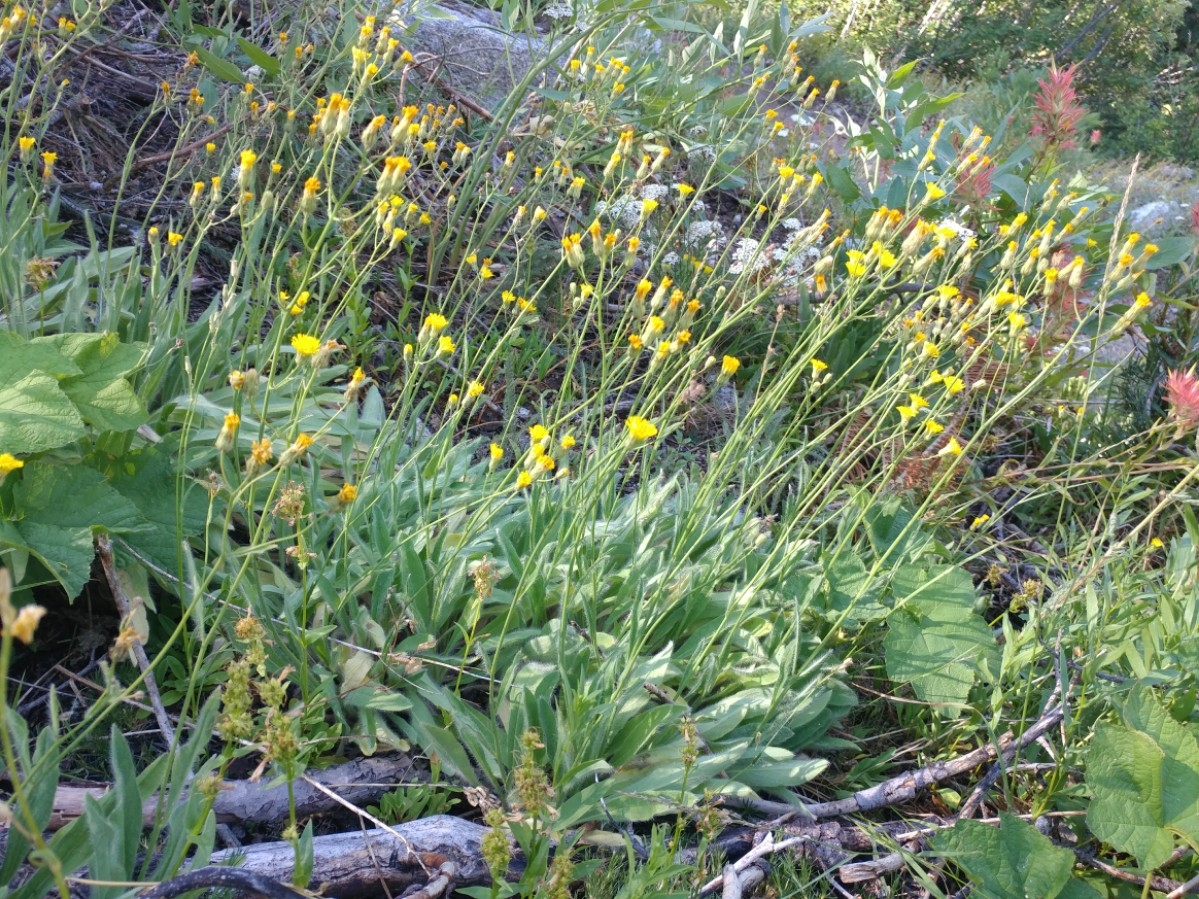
(477, 56)
(1151, 215)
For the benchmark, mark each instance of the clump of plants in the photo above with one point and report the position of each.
(628, 450)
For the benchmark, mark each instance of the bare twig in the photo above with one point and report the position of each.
(125, 607)
(1159, 884)
(1053, 713)
(320, 787)
(767, 847)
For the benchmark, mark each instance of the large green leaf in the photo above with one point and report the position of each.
(172, 507)
(65, 552)
(1144, 780)
(74, 496)
(100, 391)
(35, 415)
(18, 357)
(60, 508)
(1006, 861)
(935, 641)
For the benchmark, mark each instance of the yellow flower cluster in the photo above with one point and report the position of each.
(545, 457)
(660, 321)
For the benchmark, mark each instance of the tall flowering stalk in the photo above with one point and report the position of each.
(1056, 112)
(1182, 400)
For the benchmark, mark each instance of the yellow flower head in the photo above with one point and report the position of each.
(640, 428)
(261, 451)
(496, 451)
(524, 479)
(8, 463)
(952, 448)
(445, 345)
(305, 345)
(347, 494)
(729, 366)
(26, 622)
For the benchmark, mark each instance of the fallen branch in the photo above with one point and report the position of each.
(245, 882)
(767, 847)
(1157, 884)
(904, 787)
(359, 782)
(433, 855)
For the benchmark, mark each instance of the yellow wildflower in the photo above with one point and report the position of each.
(26, 622)
(228, 433)
(305, 345)
(640, 428)
(261, 451)
(952, 448)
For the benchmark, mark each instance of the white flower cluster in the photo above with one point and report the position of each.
(697, 232)
(748, 257)
(654, 191)
(559, 10)
(624, 210)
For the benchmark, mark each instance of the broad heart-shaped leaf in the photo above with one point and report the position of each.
(100, 392)
(18, 357)
(59, 506)
(936, 657)
(36, 415)
(172, 507)
(1144, 780)
(65, 552)
(74, 496)
(1007, 861)
(935, 641)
